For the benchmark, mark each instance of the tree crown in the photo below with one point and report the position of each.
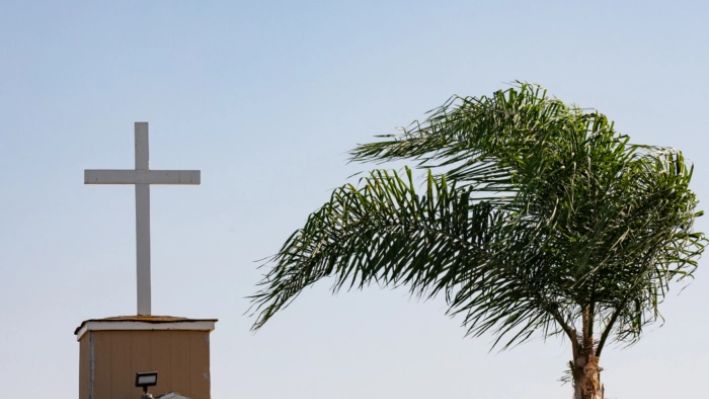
(536, 216)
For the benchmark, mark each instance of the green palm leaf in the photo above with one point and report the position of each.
(383, 232)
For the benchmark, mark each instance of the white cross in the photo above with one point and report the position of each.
(142, 177)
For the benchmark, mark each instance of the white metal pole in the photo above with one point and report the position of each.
(142, 220)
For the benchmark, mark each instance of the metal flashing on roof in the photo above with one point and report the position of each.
(144, 323)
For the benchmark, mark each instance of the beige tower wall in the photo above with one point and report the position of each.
(110, 358)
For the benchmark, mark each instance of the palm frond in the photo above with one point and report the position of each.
(383, 232)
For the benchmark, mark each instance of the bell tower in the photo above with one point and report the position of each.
(113, 350)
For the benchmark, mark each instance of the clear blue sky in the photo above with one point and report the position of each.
(266, 98)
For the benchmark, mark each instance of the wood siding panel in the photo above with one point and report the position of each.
(84, 368)
(181, 359)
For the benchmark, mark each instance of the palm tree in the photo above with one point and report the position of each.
(535, 218)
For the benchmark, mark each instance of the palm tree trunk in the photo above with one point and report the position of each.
(584, 368)
(587, 377)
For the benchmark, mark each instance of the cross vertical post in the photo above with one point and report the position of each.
(142, 220)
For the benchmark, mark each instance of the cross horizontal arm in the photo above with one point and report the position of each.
(119, 176)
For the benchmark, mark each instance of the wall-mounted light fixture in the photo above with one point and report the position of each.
(144, 380)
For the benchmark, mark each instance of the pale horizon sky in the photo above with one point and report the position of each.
(266, 98)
